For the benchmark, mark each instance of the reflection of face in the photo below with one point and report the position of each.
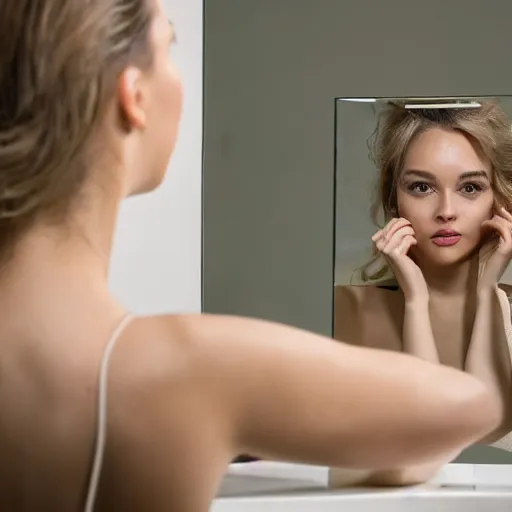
(445, 185)
(164, 103)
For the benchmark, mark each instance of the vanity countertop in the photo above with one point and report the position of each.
(280, 487)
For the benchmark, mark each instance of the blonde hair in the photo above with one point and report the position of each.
(397, 127)
(59, 63)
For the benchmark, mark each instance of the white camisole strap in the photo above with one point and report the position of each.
(101, 432)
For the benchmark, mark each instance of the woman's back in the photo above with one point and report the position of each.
(48, 400)
(49, 413)
(55, 324)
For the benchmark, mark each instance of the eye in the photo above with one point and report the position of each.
(471, 188)
(420, 187)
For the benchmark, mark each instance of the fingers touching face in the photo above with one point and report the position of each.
(396, 237)
(501, 225)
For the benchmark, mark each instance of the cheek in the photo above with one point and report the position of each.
(418, 212)
(480, 209)
(167, 91)
(173, 89)
(174, 110)
(167, 107)
(475, 215)
(411, 208)
(162, 132)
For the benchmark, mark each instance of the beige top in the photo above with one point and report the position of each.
(372, 316)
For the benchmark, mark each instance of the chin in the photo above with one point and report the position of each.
(153, 184)
(449, 260)
(456, 258)
(448, 256)
(148, 182)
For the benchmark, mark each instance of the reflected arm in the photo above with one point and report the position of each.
(488, 356)
(418, 341)
(417, 335)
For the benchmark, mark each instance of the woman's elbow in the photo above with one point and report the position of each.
(473, 410)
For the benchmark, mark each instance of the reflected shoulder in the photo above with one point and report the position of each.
(361, 291)
(356, 306)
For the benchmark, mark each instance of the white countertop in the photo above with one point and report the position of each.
(279, 487)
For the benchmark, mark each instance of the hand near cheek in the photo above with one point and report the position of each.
(495, 255)
(394, 242)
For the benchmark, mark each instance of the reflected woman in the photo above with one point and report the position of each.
(432, 288)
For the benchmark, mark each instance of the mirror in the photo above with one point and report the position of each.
(370, 311)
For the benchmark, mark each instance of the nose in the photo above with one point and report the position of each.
(446, 210)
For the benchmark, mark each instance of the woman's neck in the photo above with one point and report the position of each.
(455, 280)
(74, 251)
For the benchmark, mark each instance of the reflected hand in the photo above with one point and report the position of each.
(495, 254)
(394, 242)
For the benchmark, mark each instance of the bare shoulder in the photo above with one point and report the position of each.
(383, 290)
(184, 391)
(190, 349)
(168, 415)
(182, 354)
(357, 306)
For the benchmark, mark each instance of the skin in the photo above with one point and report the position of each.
(186, 392)
(447, 309)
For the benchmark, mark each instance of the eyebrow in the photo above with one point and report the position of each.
(430, 176)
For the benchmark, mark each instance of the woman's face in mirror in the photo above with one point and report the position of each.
(445, 192)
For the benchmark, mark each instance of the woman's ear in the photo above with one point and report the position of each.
(132, 98)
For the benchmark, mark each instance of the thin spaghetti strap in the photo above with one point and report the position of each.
(102, 416)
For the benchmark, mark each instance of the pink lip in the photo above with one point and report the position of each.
(446, 232)
(445, 240)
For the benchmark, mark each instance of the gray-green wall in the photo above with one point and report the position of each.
(272, 71)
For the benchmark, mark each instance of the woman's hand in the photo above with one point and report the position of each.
(394, 242)
(496, 253)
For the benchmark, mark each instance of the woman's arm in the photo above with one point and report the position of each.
(291, 395)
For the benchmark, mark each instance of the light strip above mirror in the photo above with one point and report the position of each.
(425, 102)
(442, 105)
(359, 100)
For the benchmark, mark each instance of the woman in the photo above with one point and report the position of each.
(89, 109)
(445, 190)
